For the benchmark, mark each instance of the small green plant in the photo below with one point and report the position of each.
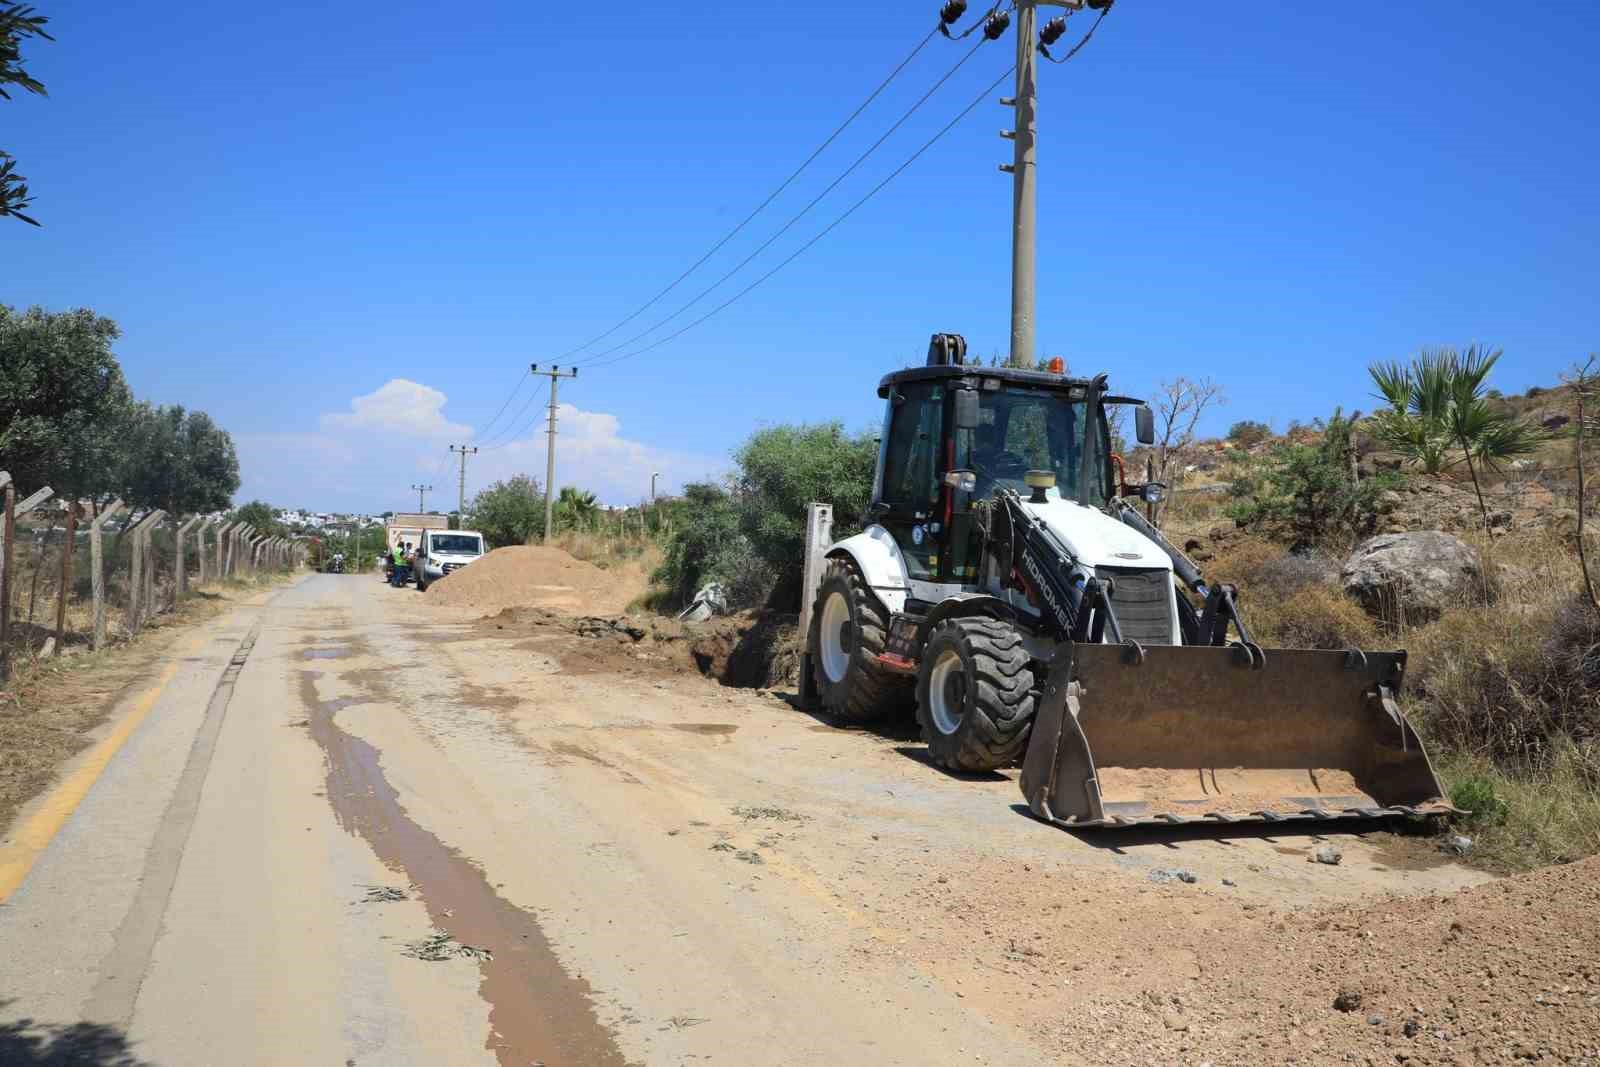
(1476, 795)
(1309, 494)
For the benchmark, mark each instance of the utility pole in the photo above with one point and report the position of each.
(556, 374)
(654, 475)
(461, 497)
(422, 493)
(1024, 171)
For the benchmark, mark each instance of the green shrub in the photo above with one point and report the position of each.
(1306, 494)
(1248, 433)
(509, 512)
(1475, 794)
(751, 535)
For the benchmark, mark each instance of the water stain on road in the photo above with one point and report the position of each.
(714, 729)
(538, 1013)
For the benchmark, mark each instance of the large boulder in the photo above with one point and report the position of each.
(1412, 577)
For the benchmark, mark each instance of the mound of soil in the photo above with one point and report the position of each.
(532, 576)
(1506, 972)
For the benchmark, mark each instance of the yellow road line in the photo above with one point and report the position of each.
(33, 836)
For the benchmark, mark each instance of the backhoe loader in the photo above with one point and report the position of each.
(1005, 585)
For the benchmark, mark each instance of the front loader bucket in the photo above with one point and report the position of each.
(1126, 735)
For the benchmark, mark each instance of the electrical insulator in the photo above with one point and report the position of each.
(996, 24)
(1100, 5)
(1053, 30)
(952, 11)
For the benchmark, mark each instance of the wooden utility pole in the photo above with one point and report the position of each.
(97, 574)
(555, 374)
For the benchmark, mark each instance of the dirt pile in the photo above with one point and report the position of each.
(533, 576)
(1507, 972)
(752, 650)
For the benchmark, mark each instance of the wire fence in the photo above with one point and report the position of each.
(73, 575)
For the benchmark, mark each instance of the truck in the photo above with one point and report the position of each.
(442, 551)
(406, 528)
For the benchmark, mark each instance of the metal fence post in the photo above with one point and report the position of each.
(819, 535)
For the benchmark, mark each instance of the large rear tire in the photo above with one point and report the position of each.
(975, 696)
(849, 630)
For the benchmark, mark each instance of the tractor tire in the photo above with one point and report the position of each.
(849, 630)
(975, 695)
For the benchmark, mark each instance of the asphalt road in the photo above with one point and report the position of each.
(346, 828)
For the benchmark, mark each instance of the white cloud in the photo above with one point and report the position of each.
(358, 459)
(400, 407)
(592, 452)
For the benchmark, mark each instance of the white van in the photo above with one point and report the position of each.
(442, 551)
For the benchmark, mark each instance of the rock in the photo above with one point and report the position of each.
(1188, 877)
(1412, 1028)
(1229, 882)
(1326, 854)
(1374, 1020)
(1458, 844)
(1411, 576)
(1347, 1000)
(1174, 1021)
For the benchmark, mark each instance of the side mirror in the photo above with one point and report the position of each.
(1144, 425)
(966, 410)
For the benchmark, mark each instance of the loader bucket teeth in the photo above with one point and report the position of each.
(1187, 733)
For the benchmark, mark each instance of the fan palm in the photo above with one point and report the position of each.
(575, 506)
(1438, 406)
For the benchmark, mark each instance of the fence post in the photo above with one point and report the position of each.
(141, 577)
(97, 576)
(819, 535)
(7, 532)
(65, 591)
(135, 575)
(181, 586)
(232, 530)
(223, 531)
(148, 602)
(200, 551)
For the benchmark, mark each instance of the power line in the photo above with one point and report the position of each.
(517, 436)
(509, 397)
(515, 419)
(763, 205)
(797, 216)
(826, 230)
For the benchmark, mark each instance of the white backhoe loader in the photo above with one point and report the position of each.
(1005, 585)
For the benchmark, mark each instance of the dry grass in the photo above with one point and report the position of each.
(1505, 685)
(1535, 816)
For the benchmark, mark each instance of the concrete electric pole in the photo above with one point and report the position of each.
(422, 493)
(1023, 168)
(556, 374)
(461, 494)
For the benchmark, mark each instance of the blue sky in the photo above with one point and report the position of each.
(344, 228)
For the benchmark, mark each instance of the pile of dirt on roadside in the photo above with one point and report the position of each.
(753, 649)
(533, 576)
(1505, 972)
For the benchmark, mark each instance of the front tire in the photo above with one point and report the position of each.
(849, 630)
(975, 696)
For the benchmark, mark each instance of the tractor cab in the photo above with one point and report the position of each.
(954, 434)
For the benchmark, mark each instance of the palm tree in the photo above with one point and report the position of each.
(575, 506)
(1438, 405)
